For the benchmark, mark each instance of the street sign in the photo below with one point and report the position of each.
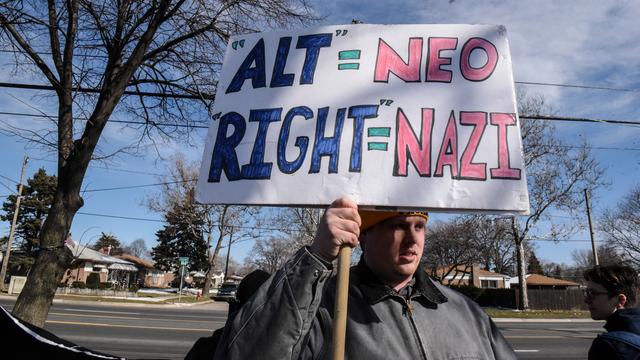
(184, 260)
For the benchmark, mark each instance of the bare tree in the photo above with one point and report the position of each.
(493, 243)
(237, 223)
(556, 175)
(138, 248)
(449, 245)
(621, 226)
(91, 53)
(298, 223)
(270, 254)
(607, 255)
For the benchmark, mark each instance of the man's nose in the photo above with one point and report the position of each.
(413, 235)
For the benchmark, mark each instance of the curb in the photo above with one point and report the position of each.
(520, 320)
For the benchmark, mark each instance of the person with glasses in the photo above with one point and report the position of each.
(611, 295)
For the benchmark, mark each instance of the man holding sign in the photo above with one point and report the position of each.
(412, 117)
(395, 310)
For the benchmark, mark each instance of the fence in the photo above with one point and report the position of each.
(539, 299)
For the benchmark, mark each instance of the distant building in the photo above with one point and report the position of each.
(472, 275)
(147, 275)
(537, 281)
(87, 261)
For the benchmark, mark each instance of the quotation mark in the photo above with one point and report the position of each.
(216, 116)
(341, 32)
(386, 102)
(235, 44)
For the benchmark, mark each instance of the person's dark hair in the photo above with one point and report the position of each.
(617, 279)
(250, 284)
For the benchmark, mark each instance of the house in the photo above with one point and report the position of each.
(537, 281)
(197, 278)
(87, 261)
(472, 275)
(147, 275)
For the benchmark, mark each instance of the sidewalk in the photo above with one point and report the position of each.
(130, 302)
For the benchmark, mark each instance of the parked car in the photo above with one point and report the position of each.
(226, 292)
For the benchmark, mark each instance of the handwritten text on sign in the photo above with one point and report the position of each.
(407, 116)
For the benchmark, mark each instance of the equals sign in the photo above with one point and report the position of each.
(378, 132)
(349, 55)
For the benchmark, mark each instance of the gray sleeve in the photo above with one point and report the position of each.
(277, 319)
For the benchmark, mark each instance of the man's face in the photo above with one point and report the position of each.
(393, 248)
(601, 304)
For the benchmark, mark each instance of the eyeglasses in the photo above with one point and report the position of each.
(590, 293)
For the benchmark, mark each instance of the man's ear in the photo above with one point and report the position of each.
(622, 301)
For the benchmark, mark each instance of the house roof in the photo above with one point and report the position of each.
(464, 270)
(483, 272)
(82, 252)
(136, 260)
(541, 280)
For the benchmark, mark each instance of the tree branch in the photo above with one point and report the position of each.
(31, 53)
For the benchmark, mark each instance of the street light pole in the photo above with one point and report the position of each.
(12, 231)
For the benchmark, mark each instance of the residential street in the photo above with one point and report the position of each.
(167, 332)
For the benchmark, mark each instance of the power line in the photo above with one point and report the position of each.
(110, 120)
(10, 179)
(591, 87)
(200, 96)
(528, 117)
(111, 168)
(562, 240)
(534, 83)
(579, 119)
(163, 221)
(139, 186)
(536, 117)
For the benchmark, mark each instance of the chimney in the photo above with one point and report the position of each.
(475, 275)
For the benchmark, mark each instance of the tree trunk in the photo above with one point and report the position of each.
(212, 263)
(522, 294)
(36, 297)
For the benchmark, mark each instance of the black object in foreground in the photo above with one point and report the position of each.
(27, 341)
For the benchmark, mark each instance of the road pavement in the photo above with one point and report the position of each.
(168, 332)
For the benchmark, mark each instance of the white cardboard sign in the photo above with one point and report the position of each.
(405, 116)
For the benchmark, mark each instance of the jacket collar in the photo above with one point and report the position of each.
(624, 320)
(374, 290)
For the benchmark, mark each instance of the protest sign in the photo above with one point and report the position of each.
(404, 116)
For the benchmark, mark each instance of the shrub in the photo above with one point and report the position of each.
(93, 281)
(104, 286)
(133, 287)
(468, 290)
(78, 285)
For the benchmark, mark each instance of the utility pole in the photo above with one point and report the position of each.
(593, 240)
(226, 266)
(12, 231)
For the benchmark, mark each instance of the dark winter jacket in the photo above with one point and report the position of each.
(290, 317)
(609, 348)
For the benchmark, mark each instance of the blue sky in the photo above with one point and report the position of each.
(559, 42)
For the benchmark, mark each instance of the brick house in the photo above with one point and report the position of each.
(473, 275)
(147, 275)
(87, 261)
